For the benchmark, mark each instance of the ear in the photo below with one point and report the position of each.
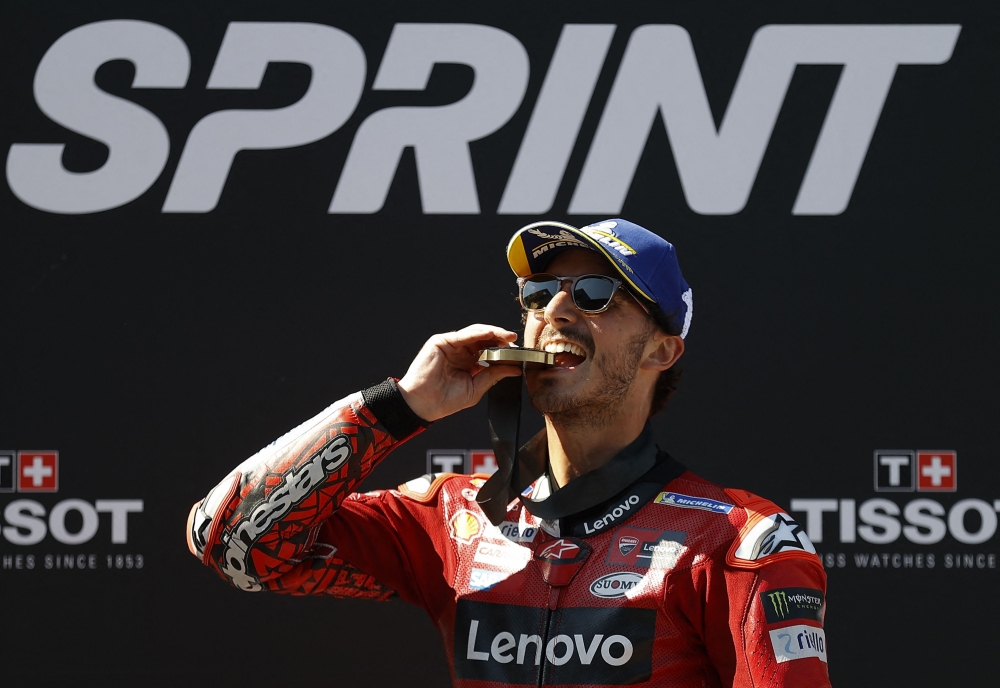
(662, 351)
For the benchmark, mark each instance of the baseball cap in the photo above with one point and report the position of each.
(646, 261)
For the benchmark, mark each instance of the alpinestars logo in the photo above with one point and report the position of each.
(560, 549)
(297, 485)
(772, 535)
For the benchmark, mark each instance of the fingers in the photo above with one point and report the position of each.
(445, 376)
(487, 377)
(479, 336)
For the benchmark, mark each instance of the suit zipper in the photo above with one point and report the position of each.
(553, 604)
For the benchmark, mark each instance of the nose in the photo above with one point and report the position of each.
(561, 308)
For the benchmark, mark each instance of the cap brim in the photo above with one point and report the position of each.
(525, 258)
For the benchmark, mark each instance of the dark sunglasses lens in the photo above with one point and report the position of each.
(593, 293)
(536, 293)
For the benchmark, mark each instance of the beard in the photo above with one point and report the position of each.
(599, 406)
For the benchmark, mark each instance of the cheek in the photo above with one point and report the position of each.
(606, 331)
(532, 329)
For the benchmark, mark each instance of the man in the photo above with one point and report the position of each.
(614, 566)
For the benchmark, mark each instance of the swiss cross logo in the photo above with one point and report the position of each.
(937, 471)
(483, 461)
(38, 471)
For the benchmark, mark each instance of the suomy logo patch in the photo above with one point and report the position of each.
(614, 584)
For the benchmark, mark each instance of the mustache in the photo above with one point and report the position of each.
(578, 336)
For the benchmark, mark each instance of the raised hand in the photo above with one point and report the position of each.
(446, 376)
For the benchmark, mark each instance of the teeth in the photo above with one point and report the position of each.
(559, 347)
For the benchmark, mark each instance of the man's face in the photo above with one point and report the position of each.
(599, 355)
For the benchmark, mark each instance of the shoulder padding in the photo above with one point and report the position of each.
(426, 487)
(769, 535)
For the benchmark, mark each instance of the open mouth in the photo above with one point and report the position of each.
(568, 355)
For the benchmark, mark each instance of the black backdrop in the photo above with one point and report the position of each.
(154, 351)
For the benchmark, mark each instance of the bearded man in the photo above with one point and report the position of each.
(612, 563)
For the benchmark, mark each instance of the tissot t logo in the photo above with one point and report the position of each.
(602, 646)
(7, 461)
(894, 471)
(446, 461)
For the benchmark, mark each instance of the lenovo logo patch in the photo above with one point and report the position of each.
(505, 644)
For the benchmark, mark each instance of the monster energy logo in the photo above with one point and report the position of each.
(783, 604)
(780, 603)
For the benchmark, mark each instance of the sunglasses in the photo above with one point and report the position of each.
(591, 294)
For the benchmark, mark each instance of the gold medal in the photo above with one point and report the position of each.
(531, 358)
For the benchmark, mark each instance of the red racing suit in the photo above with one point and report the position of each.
(674, 582)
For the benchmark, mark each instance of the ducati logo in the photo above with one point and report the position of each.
(627, 544)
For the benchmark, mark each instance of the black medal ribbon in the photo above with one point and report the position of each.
(584, 492)
(504, 411)
(601, 484)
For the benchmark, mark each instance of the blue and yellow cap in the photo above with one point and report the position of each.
(646, 261)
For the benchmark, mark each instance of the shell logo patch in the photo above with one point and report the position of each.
(465, 526)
